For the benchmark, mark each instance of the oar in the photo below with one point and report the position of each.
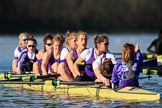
(153, 70)
(148, 71)
(27, 77)
(8, 74)
(52, 82)
(151, 56)
(150, 63)
(145, 77)
(57, 82)
(15, 79)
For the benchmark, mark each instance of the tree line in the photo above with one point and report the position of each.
(89, 15)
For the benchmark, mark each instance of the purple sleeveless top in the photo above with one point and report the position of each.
(75, 54)
(121, 70)
(81, 68)
(52, 60)
(88, 67)
(27, 59)
(40, 60)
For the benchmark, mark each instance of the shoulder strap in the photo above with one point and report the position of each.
(130, 74)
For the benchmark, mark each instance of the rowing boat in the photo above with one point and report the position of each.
(86, 89)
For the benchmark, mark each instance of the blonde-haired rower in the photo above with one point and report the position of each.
(22, 43)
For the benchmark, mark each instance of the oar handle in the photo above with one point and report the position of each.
(80, 63)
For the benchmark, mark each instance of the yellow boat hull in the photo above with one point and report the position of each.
(127, 93)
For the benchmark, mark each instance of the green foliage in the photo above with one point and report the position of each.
(100, 15)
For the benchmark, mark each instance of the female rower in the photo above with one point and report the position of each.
(88, 56)
(51, 57)
(100, 64)
(127, 70)
(104, 70)
(71, 57)
(47, 45)
(22, 41)
(63, 67)
(27, 57)
(157, 45)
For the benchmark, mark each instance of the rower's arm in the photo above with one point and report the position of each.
(97, 70)
(99, 76)
(45, 60)
(21, 59)
(70, 61)
(149, 49)
(76, 68)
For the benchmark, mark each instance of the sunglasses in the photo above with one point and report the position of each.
(25, 39)
(33, 46)
(49, 44)
(105, 44)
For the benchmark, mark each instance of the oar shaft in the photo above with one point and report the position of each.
(81, 83)
(145, 77)
(32, 76)
(51, 82)
(21, 82)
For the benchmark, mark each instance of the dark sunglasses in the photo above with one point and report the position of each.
(105, 44)
(31, 46)
(25, 39)
(49, 44)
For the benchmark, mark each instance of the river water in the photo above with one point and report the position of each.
(20, 98)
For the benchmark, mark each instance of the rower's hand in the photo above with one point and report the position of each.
(44, 73)
(137, 47)
(106, 82)
(18, 71)
(77, 74)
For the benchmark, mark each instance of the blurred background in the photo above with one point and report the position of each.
(88, 15)
(133, 21)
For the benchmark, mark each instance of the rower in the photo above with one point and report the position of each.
(103, 71)
(51, 57)
(88, 56)
(157, 51)
(72, 56)
(100, 64)
(27, 57)
(127, 70)
(47, 46)
(22, 41)
(63, 68)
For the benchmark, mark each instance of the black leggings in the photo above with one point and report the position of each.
(28, 67)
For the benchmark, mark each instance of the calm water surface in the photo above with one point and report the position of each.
(20, 98)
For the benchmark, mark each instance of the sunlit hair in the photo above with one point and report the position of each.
(59, 37)
(99, 39)
(48, 36)
(31, 38)
(81, 33)
(21, 36)
(128, 52)
(70, 36)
